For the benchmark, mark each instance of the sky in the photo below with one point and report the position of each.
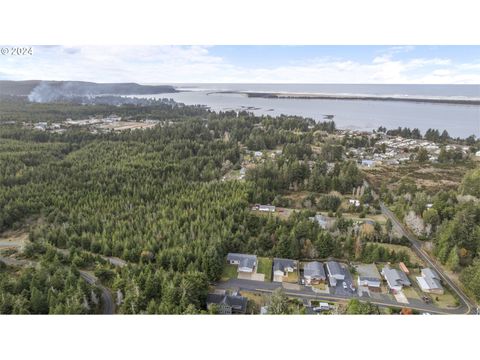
(248, 64)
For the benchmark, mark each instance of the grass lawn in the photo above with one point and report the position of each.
(229, 272)
(319, 286)
(411, 293)
(292, 277)
(446, 300)
(265, 267)
(258, 299)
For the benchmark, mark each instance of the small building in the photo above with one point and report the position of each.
(354, 202)
(258, 154)
(396, 279)
(369, 276)
(335, 272)
(228, 304)
(266, 208)
(368, 163)
(314, 273)
(430, 282)
(404, 268)
(281, 268)
(245, 262)
(323, 221)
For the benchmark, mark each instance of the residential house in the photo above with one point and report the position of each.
(281, 268)
(354, 202)
(369, 276)
(396, 279)
(430, 282)
(245, 262)
(322, 220)
(335, 272)
(227, 304)
(314, 273)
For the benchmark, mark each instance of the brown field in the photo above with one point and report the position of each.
(430, 177)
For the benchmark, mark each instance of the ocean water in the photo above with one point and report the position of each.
(458, 120)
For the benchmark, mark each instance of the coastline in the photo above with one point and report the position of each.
(311, 96)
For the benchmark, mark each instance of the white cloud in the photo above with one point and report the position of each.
(169, 64)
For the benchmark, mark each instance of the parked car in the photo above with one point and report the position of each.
(426, 300)
(345, 285)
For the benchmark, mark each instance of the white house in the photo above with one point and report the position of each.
(430, 282)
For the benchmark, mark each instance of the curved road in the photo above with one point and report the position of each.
(468, 306)
(107, 298)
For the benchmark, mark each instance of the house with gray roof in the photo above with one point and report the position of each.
(335, 272)
(323, 221)
(281, 268)
(430, 282)
(314, 273)
(227, 304)
(245, 262)
(369, 276)
(396, 279)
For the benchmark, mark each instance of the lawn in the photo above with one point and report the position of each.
(265, 267)
(446, 300)
(229, 272)
(411, 293)
(292, 277)
(320, 286)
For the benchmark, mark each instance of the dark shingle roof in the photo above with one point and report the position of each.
(314, 269)
(237, 302)
(281, 264)
(245, 260)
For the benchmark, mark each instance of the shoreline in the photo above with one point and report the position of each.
(361, 97)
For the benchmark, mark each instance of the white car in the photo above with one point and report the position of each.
(345, 285)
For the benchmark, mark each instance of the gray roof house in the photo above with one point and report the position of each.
(335, 272)
(283, 266)
(323, 221)
(430, 281)
(396, 279)
(245, 262)
(314, 272)
(228, 304)
(368, 275)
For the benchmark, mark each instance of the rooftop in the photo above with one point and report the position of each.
(314, 269)
(368, 272)
(281, 264)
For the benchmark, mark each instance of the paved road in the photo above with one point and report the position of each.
(107, 298)
(467, 306)
(307, 293)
